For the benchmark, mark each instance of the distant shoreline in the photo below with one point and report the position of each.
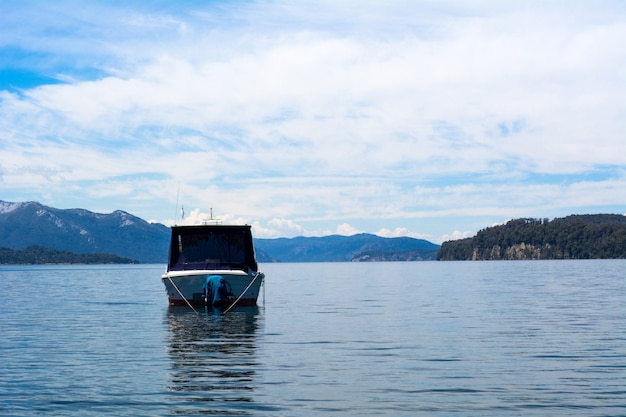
(40, 255)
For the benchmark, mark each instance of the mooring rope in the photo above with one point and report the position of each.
(181, 294)
(244, 291)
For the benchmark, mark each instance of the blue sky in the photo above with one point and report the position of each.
(432, 119)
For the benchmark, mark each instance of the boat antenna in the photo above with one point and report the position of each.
(211, 219)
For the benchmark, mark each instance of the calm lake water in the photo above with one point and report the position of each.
(531, 338)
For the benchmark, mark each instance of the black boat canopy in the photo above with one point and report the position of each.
(211, 247)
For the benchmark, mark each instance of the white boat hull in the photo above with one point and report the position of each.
(184, 287)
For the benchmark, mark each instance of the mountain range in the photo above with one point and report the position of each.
(82, 231)
(336, 248)
(119, 233)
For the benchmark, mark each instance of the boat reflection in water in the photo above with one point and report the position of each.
(213, 360)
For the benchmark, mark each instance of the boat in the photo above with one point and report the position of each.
(212, 264)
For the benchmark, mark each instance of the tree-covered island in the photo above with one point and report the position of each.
(591, 236)
(36, 254)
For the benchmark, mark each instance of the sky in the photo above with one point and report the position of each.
(430, 119)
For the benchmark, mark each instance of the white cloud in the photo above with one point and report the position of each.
(347, 230)
(402, 112)
(278, 228)
(455, 235)
(403, 231)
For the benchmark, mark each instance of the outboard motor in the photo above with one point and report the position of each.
(215, 290)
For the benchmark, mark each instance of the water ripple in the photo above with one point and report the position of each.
(395, 339)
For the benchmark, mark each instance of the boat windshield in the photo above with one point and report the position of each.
(211, 249)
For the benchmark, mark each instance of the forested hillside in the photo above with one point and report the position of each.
(593, 236)
(40, 255)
